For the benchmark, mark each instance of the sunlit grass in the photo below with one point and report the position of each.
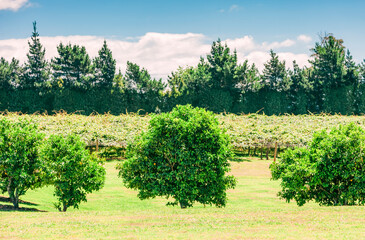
(253, 212)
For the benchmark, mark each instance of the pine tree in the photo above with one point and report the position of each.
(224, 91)
(137, 79)
(72, 68)
(274, 75)
(222, 65)
(362, 72)
(328, 69)
(298, 90)
(5, 74)
(119, 82)
(36, 68)
(142, 91)
(180, 81)
(329, 62)
(352, 74)
(247, 78)
(10, 74)
(104, 67)
(275, 84)
(352, 79)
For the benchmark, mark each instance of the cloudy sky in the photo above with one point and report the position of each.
(161, 35)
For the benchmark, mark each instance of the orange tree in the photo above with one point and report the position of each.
(183, 155)
(74, 172)
(331, 171)
(21, 168)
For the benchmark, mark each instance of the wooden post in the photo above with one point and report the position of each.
(97, 145)
(276, 150)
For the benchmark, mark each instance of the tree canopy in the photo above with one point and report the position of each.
(183, 155)
(331, 82)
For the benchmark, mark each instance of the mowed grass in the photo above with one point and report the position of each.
(253, 212)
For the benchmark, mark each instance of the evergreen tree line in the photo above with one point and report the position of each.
(74, 82)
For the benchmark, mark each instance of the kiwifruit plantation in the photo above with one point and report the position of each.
(182, 119)
(253, 209)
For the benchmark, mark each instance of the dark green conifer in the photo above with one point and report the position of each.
(104, 67)
(36, 68)
(72, 68)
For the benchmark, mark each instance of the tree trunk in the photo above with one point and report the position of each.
(64, 209)
(276, 151)
(182, 204)
(14, 197)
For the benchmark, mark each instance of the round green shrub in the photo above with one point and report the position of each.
(21, 168)
(74, 171)
(183, 155)
(331, 171)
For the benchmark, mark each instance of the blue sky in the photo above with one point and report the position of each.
(263, 22)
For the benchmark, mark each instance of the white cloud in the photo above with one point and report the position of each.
(234, 7)
(261, 57)
(283, 44)
(301, 58)
(13, 5)
(247, 44)
(243, 45)
(160, 53)
(304, 38)
(258, 57)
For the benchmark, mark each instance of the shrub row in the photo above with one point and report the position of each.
(183, 155)
(28, 161)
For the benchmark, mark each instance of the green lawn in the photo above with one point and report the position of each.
(253, 212)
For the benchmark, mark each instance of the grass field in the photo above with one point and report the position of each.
(253, 212)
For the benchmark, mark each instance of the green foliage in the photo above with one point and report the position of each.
(10, 74)
(299, 89)
(21, 168)
(5, 74)
(37, 68)
(274, 102)
(184, 155)
(72, 68)
(330, 171)
(118, 82)
(104, 67)
(274, 76)
(75, 172)
(247, 78)
(190, 85)
(222, 66)
(333, 83)
(244, 130)
(328, 69)
(142, 92)
(179, 81)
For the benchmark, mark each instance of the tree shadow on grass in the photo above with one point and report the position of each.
(10, 208)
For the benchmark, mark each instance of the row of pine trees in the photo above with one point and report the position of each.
(73, 82)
